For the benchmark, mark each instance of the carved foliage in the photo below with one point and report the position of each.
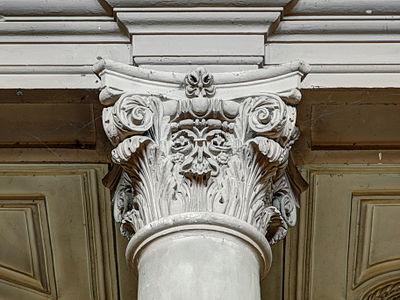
(203, 154)
(387, 291)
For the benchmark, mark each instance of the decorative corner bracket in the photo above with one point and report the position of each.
(200, 142)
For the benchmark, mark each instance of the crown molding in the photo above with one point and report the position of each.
(323, 29)
(344, 7)
(196, 3)
(61, 29)
(198, 21)
(237, 28)
(54, 8)
(174, 16)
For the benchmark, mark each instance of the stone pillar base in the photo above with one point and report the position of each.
(199, 256)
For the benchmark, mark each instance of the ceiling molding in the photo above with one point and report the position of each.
(344, 7)
(237, 29)
(197, 3)
(337, 29)
(54, 8)
(36, 30)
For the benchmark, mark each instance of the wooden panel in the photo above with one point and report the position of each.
(272, 285)
(25, 256)
(352, 126)
(44, 125)
(375, 245)
(347, 240)
(304, 152)
(56, 240)
(65, 153)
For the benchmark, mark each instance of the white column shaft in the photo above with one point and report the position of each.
(199, 265)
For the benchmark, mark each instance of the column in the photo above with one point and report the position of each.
(204, 190)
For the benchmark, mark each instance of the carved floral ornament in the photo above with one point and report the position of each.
(202, 153)
(385, 291)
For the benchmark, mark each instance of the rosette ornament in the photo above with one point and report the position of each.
(199, 83)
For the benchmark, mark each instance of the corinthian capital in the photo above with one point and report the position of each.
(201, 142)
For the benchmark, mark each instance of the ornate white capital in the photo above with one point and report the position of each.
(202, 142)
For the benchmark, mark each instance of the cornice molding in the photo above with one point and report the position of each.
(201, 142)
(192, 24)
(54, 8)
(344, 7)
(303, 29)
(198, 21)
(61, 29)
(196, 3)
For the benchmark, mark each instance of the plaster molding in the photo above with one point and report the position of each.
(344, 7)
(195, 3)
(210, 21)
(301, 29)
(201, 142)
(193, 25)
(243, 38)
(61, 29)
(54, 8)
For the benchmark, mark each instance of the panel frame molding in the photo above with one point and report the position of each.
(97, 216)
(360, 251)
(298, 249)
(42, 279)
